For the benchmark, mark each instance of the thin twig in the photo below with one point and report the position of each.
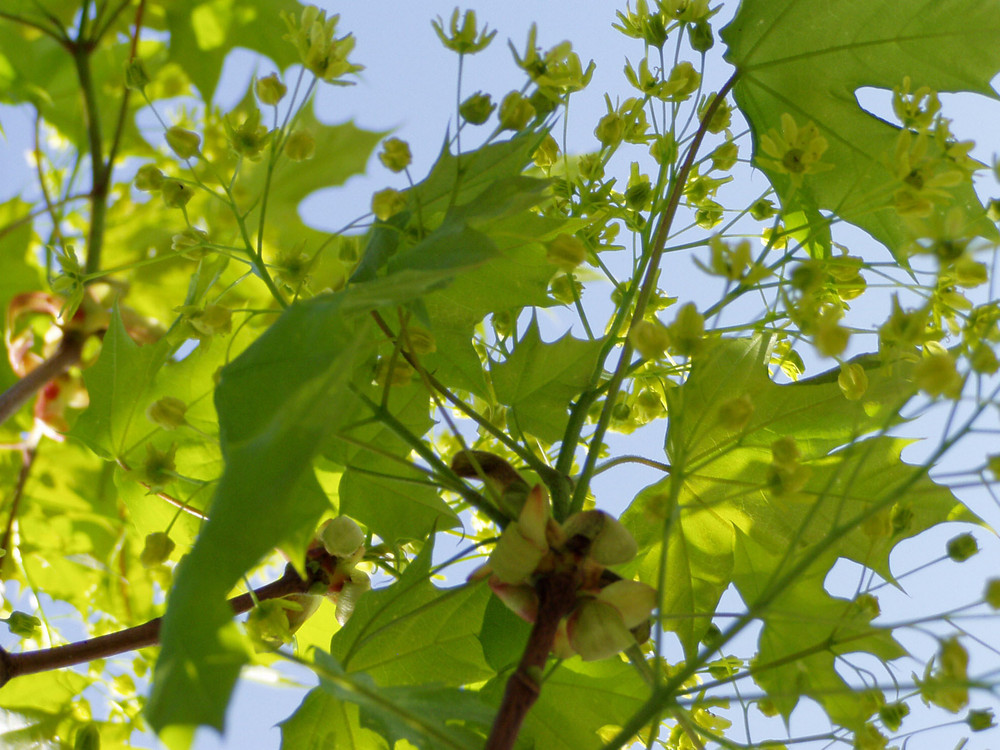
(67, 355)
(28, 453)
(141, 636)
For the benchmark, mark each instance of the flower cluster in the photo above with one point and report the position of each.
(610, 614)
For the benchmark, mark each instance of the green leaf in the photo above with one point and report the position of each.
(805, 630)
(325, 722)
(539, 380)
(401, 633)
(722, 480)
(427, 715)
(204, 32)
(379, 488)
(277, 403)
(810, 58)
(117, 385)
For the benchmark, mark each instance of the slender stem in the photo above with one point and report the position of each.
(67, 355)
(556, 597)
(141, 636)
(645, 293)
(99, 171)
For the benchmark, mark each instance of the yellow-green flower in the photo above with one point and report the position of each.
(321, 52)
(395, 154)
(464, 39)
(915, 110)
(795, 151)
(558, 71)
(924, 178)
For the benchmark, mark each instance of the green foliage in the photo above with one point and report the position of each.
(197, 379)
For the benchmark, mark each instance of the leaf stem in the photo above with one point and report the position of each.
(141, 636)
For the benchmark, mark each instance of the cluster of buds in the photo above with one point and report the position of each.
(331, 559)
(610, 614)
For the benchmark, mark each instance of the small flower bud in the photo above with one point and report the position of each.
(649, 338)
(477, 108)
(342, 537)
(935, 375)
(136, 77)
(159, 467)
(175, 193)
(591, 167)
(687, 332)
(148, 178)
(853, 381)
(270, 90)
(387, 203)
(157, 549)
(892, 715)
(566, 289)
(724, 157)
(395, 154)
(700, 36)
(980, 720)
(762, 209)
(547, 153)
(566, 252)
(213, 320)
(167, 413)
(22, 624)
(300, 146)
(962, 547)
(515, 112)
(983, 360)
(190, 242)
(992, 593)
(610, 129)
(664, 149)
(184, 143)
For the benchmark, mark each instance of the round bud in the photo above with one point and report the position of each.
(477, 108)
(167, 413)
(566, 252)
(157, 549)
(148, 178)
(300, 146)
(387, 203)
(175, 193)
(395, 154)
(270, 90)
(184, 143)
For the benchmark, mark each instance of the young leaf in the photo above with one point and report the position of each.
(539, 380)
(118, 385)
(727, 476)
(809, 59)
(399, 633)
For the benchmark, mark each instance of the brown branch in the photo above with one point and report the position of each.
(28, 453)
(141, 636)
(67, 355)
(556, 597)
